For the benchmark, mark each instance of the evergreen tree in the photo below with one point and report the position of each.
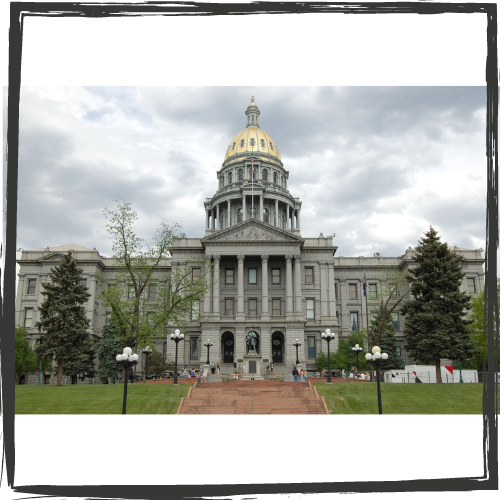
(436, 326)
(63, 318)
(387, 340)
(26, 360)
(158, 365)
(345, 358)
(109, 347)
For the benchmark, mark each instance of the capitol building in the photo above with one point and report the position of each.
(264, 276)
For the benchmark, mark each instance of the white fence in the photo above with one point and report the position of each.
(427, 375)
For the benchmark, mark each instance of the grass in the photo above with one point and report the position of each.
(400, 399)
(107, 399)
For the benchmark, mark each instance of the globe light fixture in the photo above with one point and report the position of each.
(297, 344)
(177, 337)
(127, 360)
(357, 350)
(328, 335)
(377, 359)
(208, 345)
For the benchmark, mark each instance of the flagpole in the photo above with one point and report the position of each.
(253, 175)
(367, 319)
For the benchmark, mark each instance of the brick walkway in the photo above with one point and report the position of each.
(269, 397)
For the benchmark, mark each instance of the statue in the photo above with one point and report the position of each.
(251, 338)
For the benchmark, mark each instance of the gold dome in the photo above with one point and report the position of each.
(261, 143)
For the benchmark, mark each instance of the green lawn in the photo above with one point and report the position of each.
(410, 399)
(148, 399)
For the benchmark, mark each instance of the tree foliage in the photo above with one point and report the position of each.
(436, 326)
(63, 321)
(107, 350)
(26, 360)
(345, 358)
(158, 365)
(142, 291)
(479, 327)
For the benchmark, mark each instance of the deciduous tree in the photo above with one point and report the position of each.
(26, 360)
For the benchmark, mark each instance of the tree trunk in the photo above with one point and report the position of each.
(439, 380)
(18, 377)
(59, 372)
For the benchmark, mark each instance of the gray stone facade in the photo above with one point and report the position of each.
(264, 275)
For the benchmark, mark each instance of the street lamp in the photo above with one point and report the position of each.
(127, 359)
(208, 345)
(357, 350)
(297, 344)
(377, 360)
(328, 335)
(176, 337)
(147, 351)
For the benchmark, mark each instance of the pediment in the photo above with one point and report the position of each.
(252, 230)
(56, 256)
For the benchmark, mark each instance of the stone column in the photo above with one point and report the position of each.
(207, 219)
(208, 297)
(229, 213)
(262, 207)
(331, 286)
(298, 218)
(216, 286)
(322, 279)
(288, 287)
(244, 218)
(213, 218)
(298, 289)
(276, 213)
(241, 282)
(265, 288)
(218, 216)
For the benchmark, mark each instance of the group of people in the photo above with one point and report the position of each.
(355, 375)
(270, 368)
(185, 374)
(299, 375)
(214, 368)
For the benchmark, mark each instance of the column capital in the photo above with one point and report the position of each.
(264, 257)
(296, 257)
(241, 257)
(289, 257)
(216, 258)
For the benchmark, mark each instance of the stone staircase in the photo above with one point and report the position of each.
(269, 398)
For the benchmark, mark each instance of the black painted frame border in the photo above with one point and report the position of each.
(20, 10)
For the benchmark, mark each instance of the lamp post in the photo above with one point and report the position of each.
(176, 337)
(297, 344)
(460, 368)
(377, 360)
(40, 365)
(139, 292)
(208, 345)
(328, 335)
(147, 351)
(357, 350)
(127, 359)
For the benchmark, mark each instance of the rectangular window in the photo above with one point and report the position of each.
(31, 286)
(395, 321)
(398, 350)
(83, 282)
(252, 276)
(195, 310)
(196, 273)
(28, 317)
(130, 292)
(229, 276)
(309, 275)
(352, 291)
(276, 307)
(152, 292)
(252, 142)
(354, 321)
(193, 348)
(149, 318)
(311, 347)
(229, 307)
(310, 309)
(252, 307)
(109, 315)
(372, 290)
(471, 284)
(336, 292)
(275, 273)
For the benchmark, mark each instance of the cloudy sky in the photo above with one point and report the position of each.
(374, 165)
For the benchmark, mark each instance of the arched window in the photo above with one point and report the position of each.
(252, 142)
(266, 215)
(234, 144)
(264, 174)
(275, 178)
(230, 178)
(240, 215)
(240, 174)
(242, 143)
(222, 181)
(262, 143)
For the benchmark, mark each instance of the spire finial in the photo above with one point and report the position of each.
(252, 113)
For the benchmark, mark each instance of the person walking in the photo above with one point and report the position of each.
(301, 375)
(305, 375)
(272, 367)
(295, 374)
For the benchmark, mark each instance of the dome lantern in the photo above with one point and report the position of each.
(252, 113)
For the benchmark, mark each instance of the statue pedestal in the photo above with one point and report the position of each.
(252, 362)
